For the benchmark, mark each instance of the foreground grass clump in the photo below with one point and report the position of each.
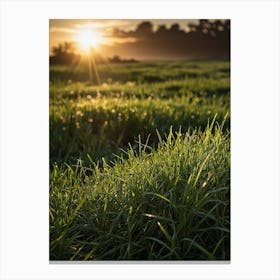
(169, 203)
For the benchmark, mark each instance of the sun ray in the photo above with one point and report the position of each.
(94, 66)
(76, 67)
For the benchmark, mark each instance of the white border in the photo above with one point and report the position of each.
(255, 138)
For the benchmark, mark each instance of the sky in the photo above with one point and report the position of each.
(62, 30)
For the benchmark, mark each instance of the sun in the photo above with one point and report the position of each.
(88, 39)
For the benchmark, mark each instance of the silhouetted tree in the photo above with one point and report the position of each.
(175, 27)
(115, 59)
(64, 54)
(162, 30)
(205, 39)
(144, 29)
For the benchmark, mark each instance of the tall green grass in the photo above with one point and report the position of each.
(169, 202)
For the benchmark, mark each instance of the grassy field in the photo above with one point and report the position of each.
(140, 162)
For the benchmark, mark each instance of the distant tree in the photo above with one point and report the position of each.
(203, 26)
(175, 27)
(115, 59)
(66, 47)
(64, 54)
(175, 32)
(192, 27)
(144, 29)
(161, 29)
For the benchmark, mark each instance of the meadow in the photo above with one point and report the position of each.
(140, 162)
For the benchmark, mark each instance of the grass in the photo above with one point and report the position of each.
(99, 119)
(166, 204)
(140, 164)
(143, 72)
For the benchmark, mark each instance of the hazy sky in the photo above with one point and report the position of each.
(62, 30)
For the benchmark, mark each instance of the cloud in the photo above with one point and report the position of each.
(61, 30)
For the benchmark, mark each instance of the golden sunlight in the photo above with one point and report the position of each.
(88, 38)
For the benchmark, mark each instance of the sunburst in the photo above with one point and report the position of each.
(89, 39)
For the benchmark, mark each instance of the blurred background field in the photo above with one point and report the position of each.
(132, 100)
